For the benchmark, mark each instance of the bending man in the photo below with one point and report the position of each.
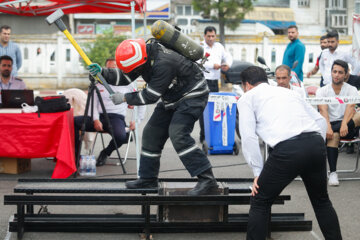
(295, 131)
(184, 92)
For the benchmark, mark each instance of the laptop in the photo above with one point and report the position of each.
(14, 98)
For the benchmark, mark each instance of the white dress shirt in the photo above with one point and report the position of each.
(336, 111)
(275, 114)
(218, 55)
(327, 59)
(110, 106)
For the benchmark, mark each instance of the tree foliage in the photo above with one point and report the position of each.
(228, 13)
(103, 47)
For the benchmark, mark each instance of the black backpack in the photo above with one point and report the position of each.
(51, 104)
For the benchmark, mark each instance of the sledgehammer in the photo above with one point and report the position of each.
(56, 18)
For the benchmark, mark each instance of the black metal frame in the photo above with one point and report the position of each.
(142, 222)
(92, 88)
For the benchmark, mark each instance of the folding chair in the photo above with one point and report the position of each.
(131, 137)
(355, 141)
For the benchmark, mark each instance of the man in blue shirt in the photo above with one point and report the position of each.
(10, 48)
(295, 51)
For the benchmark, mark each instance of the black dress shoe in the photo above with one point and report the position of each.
(101, 160)
(206, 185)
(142, 183)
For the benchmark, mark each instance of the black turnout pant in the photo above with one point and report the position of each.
(176, 124)
(303, 155)
(214, 87)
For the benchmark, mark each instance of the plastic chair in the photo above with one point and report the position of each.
(131, 137)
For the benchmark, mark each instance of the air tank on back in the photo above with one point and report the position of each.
(173, 38)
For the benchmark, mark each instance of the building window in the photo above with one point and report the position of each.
(303, 3)
(188, 10)
(338, 20)
(182, 21)
(336, 4)
(256, 54)
(243, 54)
(68, 55)
(179, 10)
(311, 58)
(273, 56)
(26, 53)
(52, 56)
(357, 7)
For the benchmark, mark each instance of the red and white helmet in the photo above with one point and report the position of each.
(131, 54)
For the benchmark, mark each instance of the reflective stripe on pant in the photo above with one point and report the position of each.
(177, 124)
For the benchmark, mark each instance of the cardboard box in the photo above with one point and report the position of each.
(14, 165)
(188, 213)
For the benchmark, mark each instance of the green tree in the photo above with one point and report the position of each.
(103, 47)
(227, 12)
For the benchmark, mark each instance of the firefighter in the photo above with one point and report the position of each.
(181, 85)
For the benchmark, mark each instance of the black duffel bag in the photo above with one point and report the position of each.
(51, 104)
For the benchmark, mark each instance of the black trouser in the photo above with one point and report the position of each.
(214, 87)
(322, 82)
(305, 156)
(176, 124)
(117, 122)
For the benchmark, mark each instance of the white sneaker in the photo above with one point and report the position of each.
(333, 179)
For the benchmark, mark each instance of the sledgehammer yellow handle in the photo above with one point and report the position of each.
(77, 47)
(56, 18)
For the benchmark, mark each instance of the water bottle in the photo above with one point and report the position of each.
(93, 165)
(82, 165)
(88, 165)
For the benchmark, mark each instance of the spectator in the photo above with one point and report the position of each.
(218, 60)
(10, 48)
(323, 45)
(331, 54)
(7, 80)
(283, 77)
(116, 113)
(295, 131)
(295, 51)
(341, 119)
(353, 80)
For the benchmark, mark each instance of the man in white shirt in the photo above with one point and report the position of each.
(295, 131)
(218, 60)
(283, 77)
(341, 119)
(332, 53)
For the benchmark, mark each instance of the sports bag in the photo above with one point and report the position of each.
(51, 104)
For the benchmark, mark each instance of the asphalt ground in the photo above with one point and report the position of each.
(345, 198)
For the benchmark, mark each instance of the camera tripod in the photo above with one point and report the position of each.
(93, 88)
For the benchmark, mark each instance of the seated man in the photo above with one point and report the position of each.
(116, 115)
(283, 77)
(7, 81)
(341, 119)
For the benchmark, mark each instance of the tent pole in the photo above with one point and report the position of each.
(137, 142)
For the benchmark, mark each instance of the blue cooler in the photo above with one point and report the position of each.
(220, 136)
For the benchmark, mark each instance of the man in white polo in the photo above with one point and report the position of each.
(341, 119)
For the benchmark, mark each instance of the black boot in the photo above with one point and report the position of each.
(101, 160)
(206, 185)
(142, 183)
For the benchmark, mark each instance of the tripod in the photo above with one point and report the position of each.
(92, 88)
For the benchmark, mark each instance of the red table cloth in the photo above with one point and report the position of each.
(25, 135)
